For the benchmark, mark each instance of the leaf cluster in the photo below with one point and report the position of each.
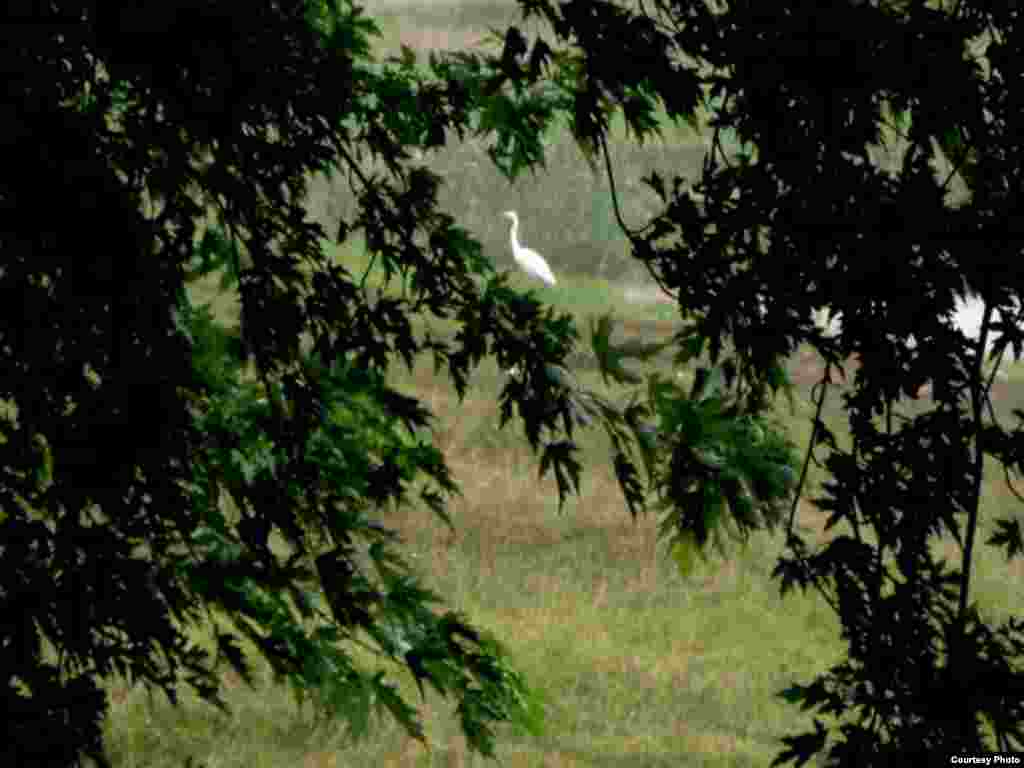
(147, 489)
(810, 217)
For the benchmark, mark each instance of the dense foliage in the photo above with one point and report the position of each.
(127, 424)
(809, 218)
(145, 479)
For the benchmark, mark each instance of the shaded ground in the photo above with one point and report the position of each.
(807, 368)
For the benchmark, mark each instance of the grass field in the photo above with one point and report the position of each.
(640, 667)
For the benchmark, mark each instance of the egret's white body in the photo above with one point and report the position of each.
(531, 261)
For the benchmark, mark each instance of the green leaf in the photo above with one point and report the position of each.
(44, 461)
(684, 551)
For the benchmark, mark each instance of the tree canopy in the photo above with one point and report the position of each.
(130, 172)
(811, 218)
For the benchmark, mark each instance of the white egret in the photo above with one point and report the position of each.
(531, 261)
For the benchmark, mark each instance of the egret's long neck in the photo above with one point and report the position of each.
(515, 231)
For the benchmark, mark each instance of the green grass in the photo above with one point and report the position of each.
(640, 666)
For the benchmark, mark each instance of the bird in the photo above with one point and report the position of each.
(531, 261)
